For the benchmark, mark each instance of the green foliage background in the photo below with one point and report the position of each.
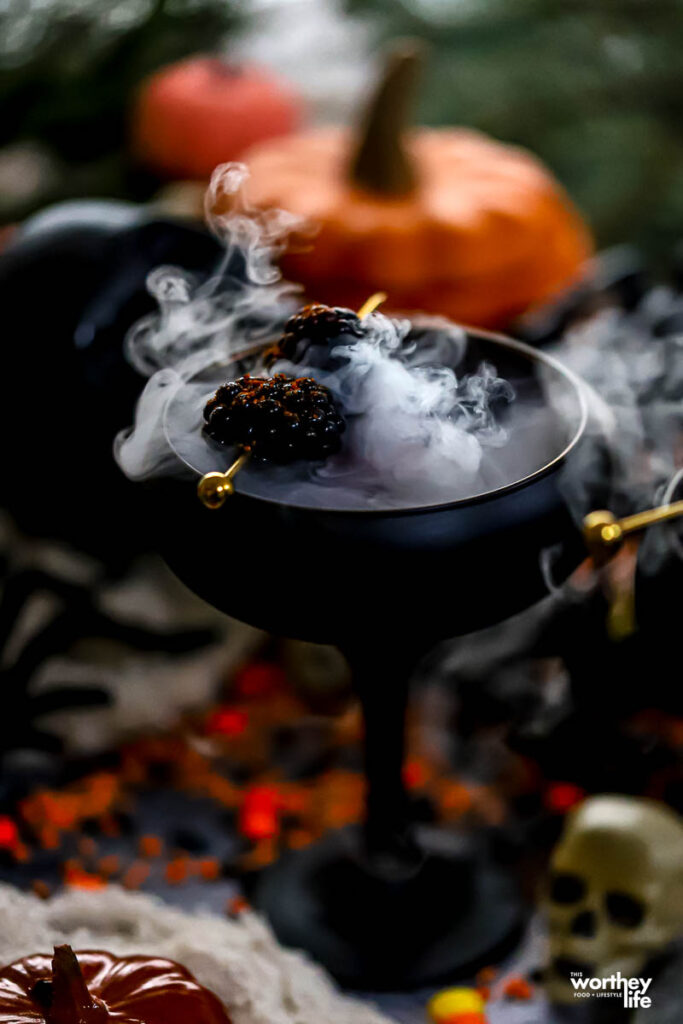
(594, 87)
(68, 70)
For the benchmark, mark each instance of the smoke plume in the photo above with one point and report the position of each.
(417, 432)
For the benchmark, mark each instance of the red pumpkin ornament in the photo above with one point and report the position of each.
(99, 988)
(444, 220)
(191, 116)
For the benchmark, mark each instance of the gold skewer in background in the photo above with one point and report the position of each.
(215, 487)
(371, 304)
(604, 533)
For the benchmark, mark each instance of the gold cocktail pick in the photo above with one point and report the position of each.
(604, 533)
(214, 488)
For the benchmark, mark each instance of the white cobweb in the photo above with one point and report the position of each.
(241, 961)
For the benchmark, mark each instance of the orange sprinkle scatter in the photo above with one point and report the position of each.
(487, 975)
(48, 837)
(465, 1018)
(228, 722)
(297, 838)
(258, 818)
(236, 906)
(260, 679)
(76, 878)
(455, 799)
(517, 987)
(109, 865)
(21, 853)
(110, 826)
(136, 875)
(560, 797)
(87, 847)
(177, 871)
(210, 869)
(484, 991)
(40, 889)
(150, 846)
(49, 813)
(264, 852)
(9, 833)
(414, 773)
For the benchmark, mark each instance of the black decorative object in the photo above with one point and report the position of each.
(72, 281)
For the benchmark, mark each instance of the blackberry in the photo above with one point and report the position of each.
(312, 332)
(280, 419)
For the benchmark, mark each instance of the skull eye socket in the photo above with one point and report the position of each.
(566, 888)
(624, 910)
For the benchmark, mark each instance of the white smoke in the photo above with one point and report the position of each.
(637, 439)
(416, 432)
(203, 324)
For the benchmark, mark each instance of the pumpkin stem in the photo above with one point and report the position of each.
(70, 1002)
(381, 163)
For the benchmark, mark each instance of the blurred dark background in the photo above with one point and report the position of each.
(592, 86)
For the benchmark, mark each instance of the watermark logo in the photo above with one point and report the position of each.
(633, 991)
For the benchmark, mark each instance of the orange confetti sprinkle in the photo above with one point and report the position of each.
(414, 774)
(109, 866)
(21, 853)
(87, 847)
(48, 838)
(210, 869)
(258, 818)
(136, 875)
(150, 846)
(298, 838)
(90, 797)
(264, 852)
(110, 826)
(228, 722)
(41, 889)
(487, 975)
(519, 988)
(560, 797)
(177, 871)
(455, 798)
(260, 679)
(465, 1018)
(236, 906)
(79, 879)
(9, 833)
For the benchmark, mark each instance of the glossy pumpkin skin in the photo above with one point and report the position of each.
(134, 990)
(486, 233)
(201, 112)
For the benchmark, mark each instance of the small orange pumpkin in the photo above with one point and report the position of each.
(200, 112)
(444, 220)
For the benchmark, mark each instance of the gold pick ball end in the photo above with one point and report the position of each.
(214, 488)
(601, 531)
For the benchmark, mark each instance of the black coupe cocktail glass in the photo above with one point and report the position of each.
(390, 904)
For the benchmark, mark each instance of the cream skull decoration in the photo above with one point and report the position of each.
(615, 893)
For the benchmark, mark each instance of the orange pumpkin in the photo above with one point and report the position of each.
(198, 113)
(444, 220)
